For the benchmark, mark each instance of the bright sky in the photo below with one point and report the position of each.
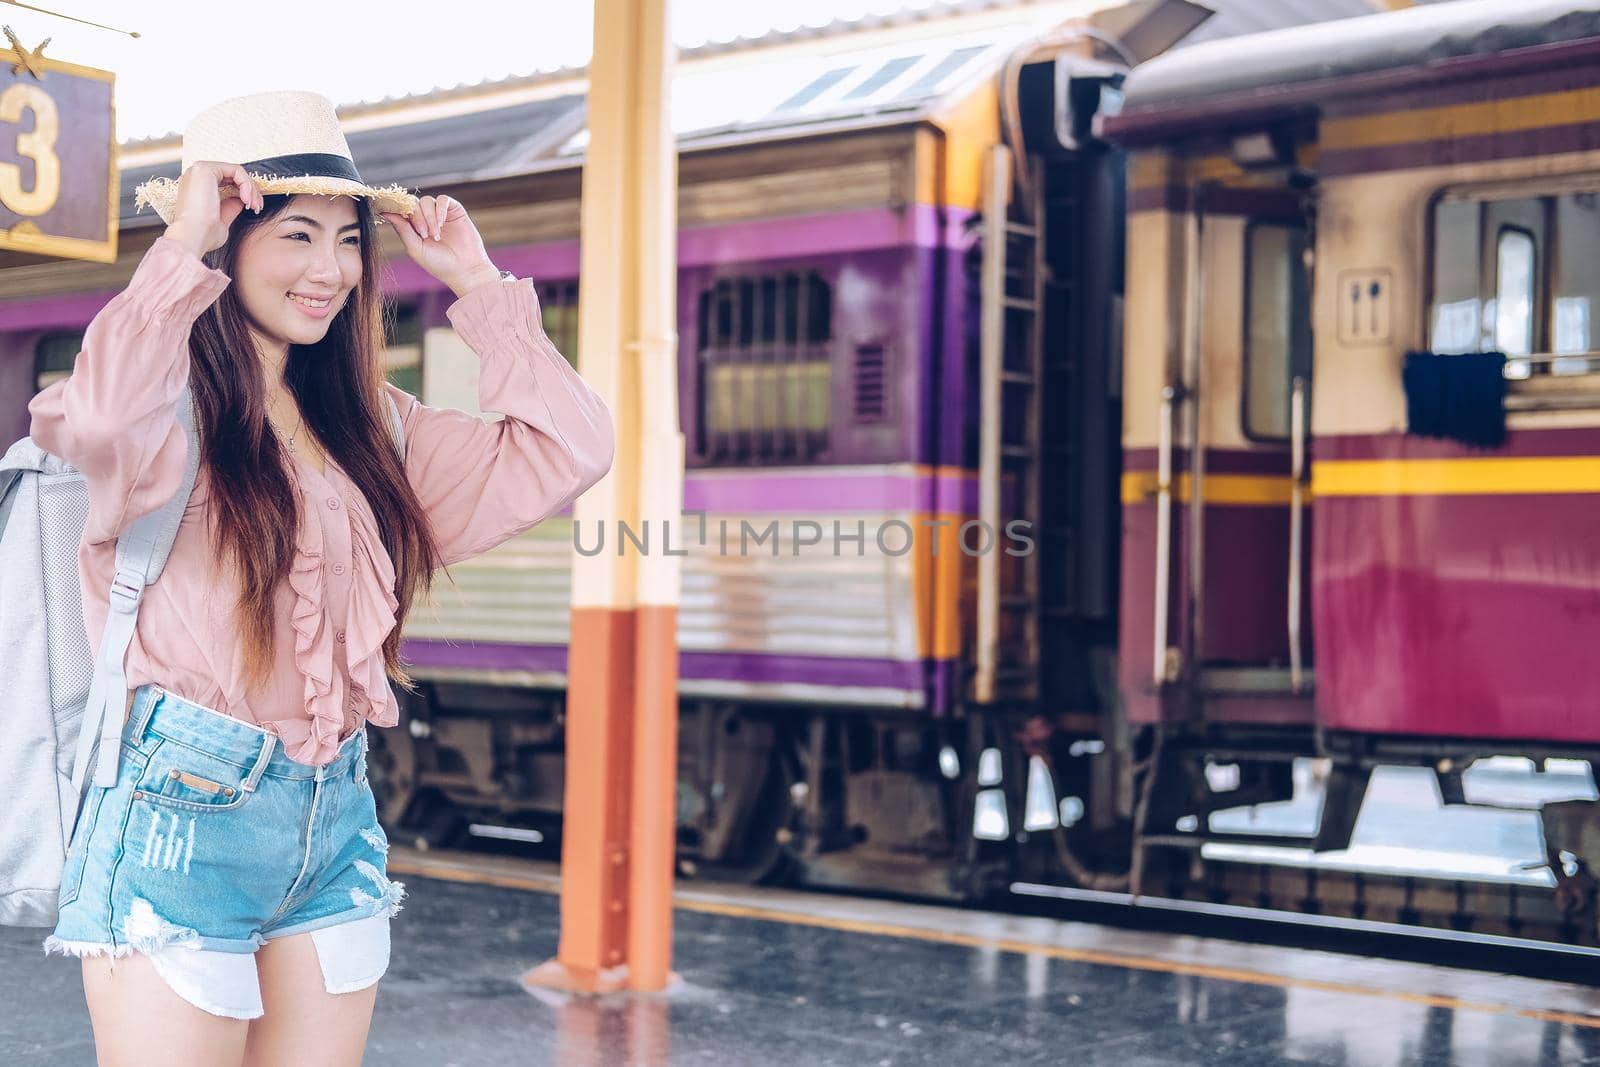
(191, 54)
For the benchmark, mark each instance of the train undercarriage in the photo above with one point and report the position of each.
(973, 809)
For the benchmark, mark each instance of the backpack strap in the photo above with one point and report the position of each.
(142, 552)
(9, 477)
(397, 428)
(23, 457)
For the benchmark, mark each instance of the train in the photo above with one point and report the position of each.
(1102, 433)
(1359, 421)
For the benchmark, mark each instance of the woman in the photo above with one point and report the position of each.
(228, 895)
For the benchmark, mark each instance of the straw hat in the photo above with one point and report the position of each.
(289, 142)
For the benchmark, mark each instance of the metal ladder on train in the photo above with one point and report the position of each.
(1010, 431)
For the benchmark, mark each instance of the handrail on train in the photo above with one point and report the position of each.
(1297, 430)
(1564, 390)
(1194, 390)
(1169, 408)
(1185, 390)
(1543, 358)
(996, 201)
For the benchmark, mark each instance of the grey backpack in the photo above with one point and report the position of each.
(60, 699)
(60, 702)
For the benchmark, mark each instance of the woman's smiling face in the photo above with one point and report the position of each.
(294, 272)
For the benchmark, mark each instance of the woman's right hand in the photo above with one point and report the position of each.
(202, 216)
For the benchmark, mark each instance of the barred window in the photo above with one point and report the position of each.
(765, 344)
(558, 307)
(402, 347)
(54, 356)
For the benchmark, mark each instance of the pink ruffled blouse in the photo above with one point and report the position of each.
(480, 484)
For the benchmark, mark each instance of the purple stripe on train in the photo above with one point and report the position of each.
(829, 492)
(916, 226)
(908, 675)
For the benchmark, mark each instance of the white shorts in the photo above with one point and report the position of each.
(353, 956)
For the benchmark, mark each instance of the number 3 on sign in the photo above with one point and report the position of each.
(37, 144)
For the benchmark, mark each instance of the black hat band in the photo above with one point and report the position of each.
(303, 164)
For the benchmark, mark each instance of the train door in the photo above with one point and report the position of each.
(1217, 372)
(1217, 391)
(1249, 468)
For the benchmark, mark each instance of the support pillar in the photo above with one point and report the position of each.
(619, 825)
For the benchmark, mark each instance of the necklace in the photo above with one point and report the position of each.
(296, 433)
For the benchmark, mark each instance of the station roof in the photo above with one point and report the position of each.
(728, 96)
(877, 70)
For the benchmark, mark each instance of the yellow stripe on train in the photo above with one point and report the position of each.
(1461, 120)
(1243, 490)
(1498, 475)
(1517, 475)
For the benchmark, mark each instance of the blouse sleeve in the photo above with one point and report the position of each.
(115, 416)
(482, 483)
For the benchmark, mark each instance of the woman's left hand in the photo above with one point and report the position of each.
(444, 242)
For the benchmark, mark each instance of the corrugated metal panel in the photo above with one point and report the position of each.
(419, 153)
(754, 599)
(815, 602)
(517, 593)
(742, 601)
(422, 152)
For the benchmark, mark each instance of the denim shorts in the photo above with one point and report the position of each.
(214, 842)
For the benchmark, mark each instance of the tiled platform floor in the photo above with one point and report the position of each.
(840, 985)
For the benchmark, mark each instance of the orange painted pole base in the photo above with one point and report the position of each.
(596, 805)
(620, 824)
(563, 978)
(557, 977)
(654, 784)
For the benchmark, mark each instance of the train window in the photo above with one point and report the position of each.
(558, 307)
(54, 356)
(1457, 300)
(402, 347)
(765, 371)
(1277, 326)
(1575, 333)
(1516, 275)
(872, 383)
(1514, 295)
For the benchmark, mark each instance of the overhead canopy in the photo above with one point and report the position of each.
(767, 97)
(785, 84)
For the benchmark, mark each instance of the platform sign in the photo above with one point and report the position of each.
(58, 159)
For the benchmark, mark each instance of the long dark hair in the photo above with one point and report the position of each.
(338, 384)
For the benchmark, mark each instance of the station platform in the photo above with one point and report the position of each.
(776, 978)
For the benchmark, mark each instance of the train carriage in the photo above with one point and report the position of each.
(1361, 412)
